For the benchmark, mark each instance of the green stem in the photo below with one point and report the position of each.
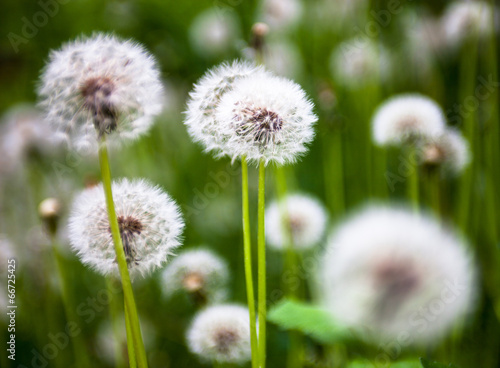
(247, 247)
(114, 310)
(412, 185)
(261, 247)
(128, 293)
(81, 354)
(132, 360)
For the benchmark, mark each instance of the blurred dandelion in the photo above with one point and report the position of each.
(407, 117)
(149, 221)
(212, 33)
(100, 86)
(449, 150)
(281, 14)
(305, 219)
(199, 272)
(221, 334)
(465, 19)
(389, 271)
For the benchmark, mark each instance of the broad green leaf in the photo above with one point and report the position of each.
(308, 319)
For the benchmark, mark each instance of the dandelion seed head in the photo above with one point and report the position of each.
(302, 217)
(281, 14)
(204, 99)
(214, 32)
(386, 268)
(266, 118)
(355, 63)
(464, 19)
(100, 85)
(197, 271)
(149, 221)
(221, 333)
(449, 150)
(407, 117)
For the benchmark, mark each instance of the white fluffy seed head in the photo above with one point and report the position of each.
(388, 271)
(281, 14)
(407, 117)
(221, 333)
(354, 63)
(464, 19)
(450, 150)
(214, 32)
(204, 99)
(197, 271)
(266, 118)
(299, 216)
(149, 220)
(100, 85)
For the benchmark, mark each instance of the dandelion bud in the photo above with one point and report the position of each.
(221, 334)
(299, 217)
(100, 86)
(389, 271)
(200, 272)
(149, 221)
(49, 211)
(407, 117)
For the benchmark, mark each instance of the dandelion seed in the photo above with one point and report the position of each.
(266, 118)
(100, 86)
(199, 272)
(204, 99)
(149, 220)
(389, 271)
(465, 19)
(407, 117)
(306, 221)
(221, 334)
(450, 151)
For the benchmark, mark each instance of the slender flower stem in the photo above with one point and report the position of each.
(128, 293)
(114, 310)
(247, 247)
(132, 360)
(412, 184)
(261, 247)
(81, 355)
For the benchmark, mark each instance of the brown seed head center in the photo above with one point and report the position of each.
(260, 124)
(96, 93)
(193, 282)
(129, 228)
(224, 339)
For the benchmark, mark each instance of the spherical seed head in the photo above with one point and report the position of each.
(49, 207)
(214, 32)
(354, 63)
(100, 86)
(204, 99)
(149, 221)
(450, 150)
(197, 271)
(221, 333)
(465, 19)
(281, 14)
(407, 117)
(389, 271)
(266, 118)
(299, 216)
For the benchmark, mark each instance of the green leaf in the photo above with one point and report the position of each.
(426, 363)
(308, 319)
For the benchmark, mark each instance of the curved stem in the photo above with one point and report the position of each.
(247, 247)
(132, 360)
(128, 293)
(261, 245)
(114, 310)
